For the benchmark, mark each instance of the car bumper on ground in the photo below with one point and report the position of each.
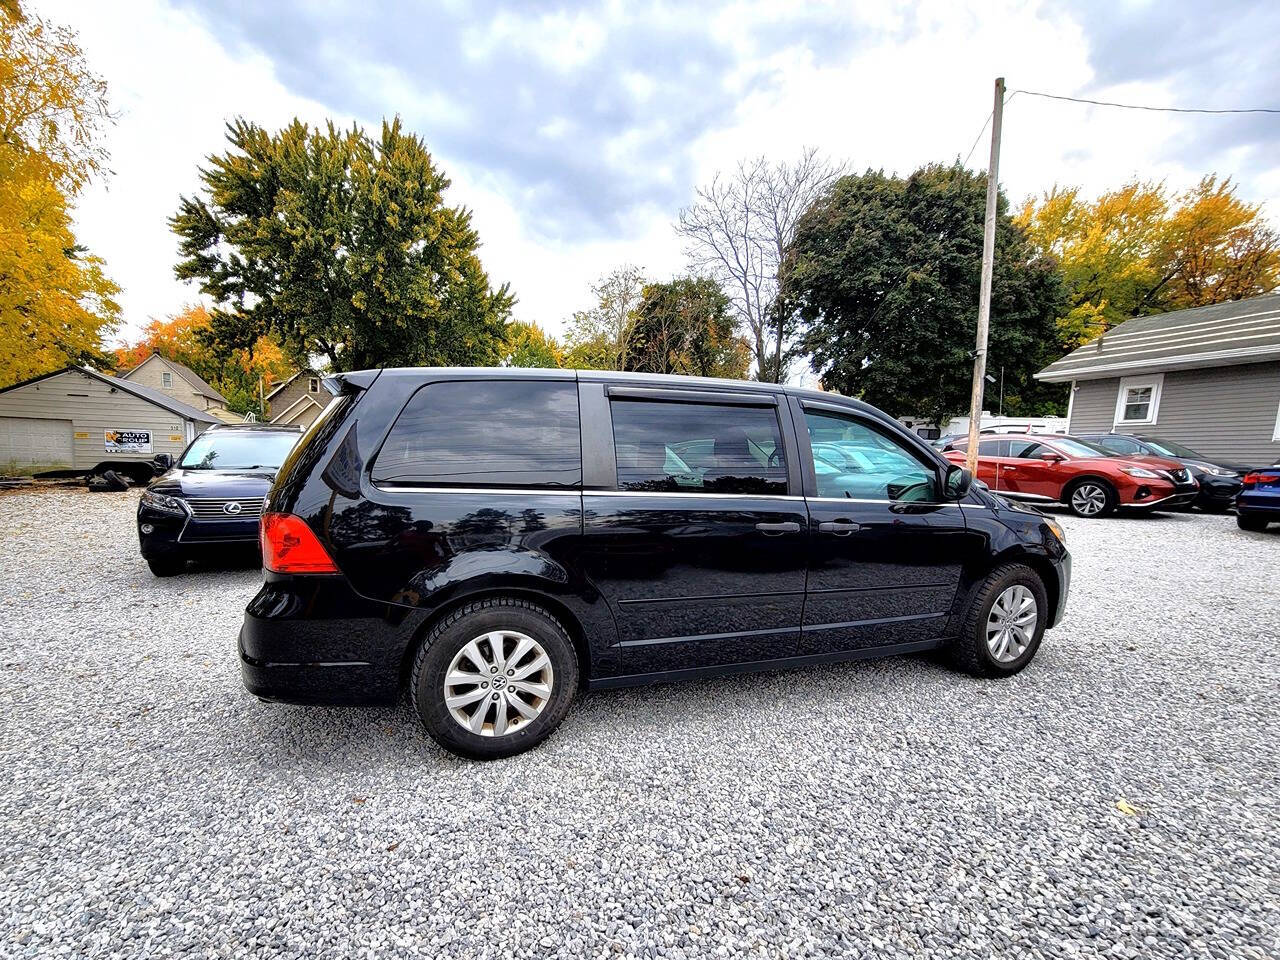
(1062, 569)
(1217, 492)
(314, 640)
(1259, 504)
(1161, 496)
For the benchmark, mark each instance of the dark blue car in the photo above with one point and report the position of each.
(211, 501)
(1259, 501)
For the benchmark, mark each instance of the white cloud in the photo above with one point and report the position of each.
(889, 87)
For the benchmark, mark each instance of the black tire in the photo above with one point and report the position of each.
(166, 566)
(969, 651)
(470, 622)
(1109, 498)
(1252, 524)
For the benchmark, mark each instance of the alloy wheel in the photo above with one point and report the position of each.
(498, 683)
(1011, 623)
(1088, 499)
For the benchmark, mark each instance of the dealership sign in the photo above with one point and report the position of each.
(127, 441)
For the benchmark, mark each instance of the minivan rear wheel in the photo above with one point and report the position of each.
(1003, 623)
(494, 678)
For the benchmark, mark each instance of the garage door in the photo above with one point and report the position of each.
(27, 442)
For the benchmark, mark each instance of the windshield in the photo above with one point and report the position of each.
(238, 450)
(1073, 447)
(1172, 449)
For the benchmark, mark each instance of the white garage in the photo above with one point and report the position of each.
(79, 419)
(29, 442)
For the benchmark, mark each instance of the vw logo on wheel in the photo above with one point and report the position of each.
(232, 507)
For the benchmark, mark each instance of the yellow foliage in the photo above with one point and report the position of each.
(56, 304)
(1136, 251)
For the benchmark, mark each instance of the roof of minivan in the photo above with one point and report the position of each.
(606, 376)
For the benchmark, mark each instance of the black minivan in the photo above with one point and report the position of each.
(497, 539)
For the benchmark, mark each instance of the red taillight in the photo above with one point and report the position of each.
(289, 546)
(1256, 477)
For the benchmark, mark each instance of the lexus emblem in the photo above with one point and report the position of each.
(231, 507)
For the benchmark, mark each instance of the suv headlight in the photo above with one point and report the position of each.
(1141, 472)
(164, 503)
(1056, 527)
(1218, 471)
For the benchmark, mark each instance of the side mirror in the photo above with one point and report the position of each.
(1049, 456)
(959, 480)
(163, 460)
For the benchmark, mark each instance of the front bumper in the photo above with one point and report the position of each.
(1218, 491)
(1062, 568)
(172, 534)
(1150, 497)
(314, 640)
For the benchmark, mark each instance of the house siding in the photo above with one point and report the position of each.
(150, 373)
(1227, 412)
(290, 395)
(92, 407)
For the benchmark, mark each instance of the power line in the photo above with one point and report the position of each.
(1135, 106)
(985, 123)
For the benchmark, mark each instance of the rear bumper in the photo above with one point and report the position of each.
(314, 640)
(1251, 504)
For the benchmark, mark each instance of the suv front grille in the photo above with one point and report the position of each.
(215, 508)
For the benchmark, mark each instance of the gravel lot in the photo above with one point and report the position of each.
(1119, 798)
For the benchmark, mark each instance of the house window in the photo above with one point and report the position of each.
(313, 385)
(167, 378)
(1138, 400)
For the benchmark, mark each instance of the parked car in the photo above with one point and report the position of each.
(211, 500)
(1259, 501)
(1219, 480)
(497, 539)
(1089, 479)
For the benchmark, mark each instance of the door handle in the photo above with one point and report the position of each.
(1010, 467)
(773, 529)
(841, 528)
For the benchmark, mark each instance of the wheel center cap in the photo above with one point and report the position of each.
(499, 681)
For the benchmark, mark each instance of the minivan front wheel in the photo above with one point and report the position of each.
(494, 678)
(1003, 623)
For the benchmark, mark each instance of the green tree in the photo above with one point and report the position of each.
(1137, 250)
(528, 345)
(685, 326)
(339, 245)
(885, 272)
(600, 338)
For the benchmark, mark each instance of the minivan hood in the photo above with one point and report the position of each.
(214, 483)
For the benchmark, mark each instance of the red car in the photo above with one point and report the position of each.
(1089, 479)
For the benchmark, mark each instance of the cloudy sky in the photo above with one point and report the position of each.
(576, 131)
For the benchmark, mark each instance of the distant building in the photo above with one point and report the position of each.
(297, 400)
(77, 418)
(181, 383)
(1208, 377)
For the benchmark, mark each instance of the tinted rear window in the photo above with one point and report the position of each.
(698, 448)
(486, 433)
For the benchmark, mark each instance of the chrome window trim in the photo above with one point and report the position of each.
(546, 491)
(494, 491)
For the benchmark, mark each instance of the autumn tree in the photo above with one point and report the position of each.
(1138, 250)
(737, 231)
(685, 326)
(339, 245)
(599, 338)
(885, 272)
(56, 302)
(528, 345)
(242, 376)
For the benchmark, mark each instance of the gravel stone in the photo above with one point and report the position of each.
(150, 807)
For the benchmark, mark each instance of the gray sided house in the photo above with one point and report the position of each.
(77, 418)
(298, 400)
(182, 383)
(1208, 377)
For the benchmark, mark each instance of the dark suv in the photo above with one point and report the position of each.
(210, 501)
(498, 539)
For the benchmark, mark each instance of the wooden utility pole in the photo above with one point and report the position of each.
(984, 292)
